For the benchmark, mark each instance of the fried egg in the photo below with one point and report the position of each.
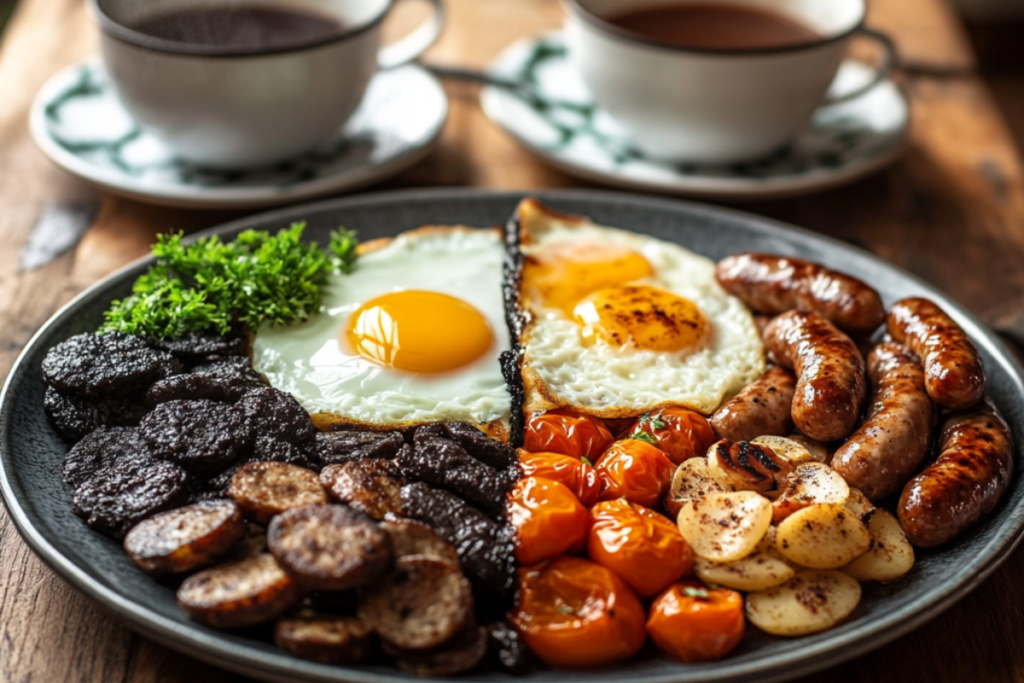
(413, 335)
(616, 323)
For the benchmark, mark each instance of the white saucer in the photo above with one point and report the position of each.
(565, 127)
(79, 122)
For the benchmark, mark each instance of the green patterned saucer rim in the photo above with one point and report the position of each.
(842, 144)
(365, 152)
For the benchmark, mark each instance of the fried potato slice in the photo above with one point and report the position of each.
(727, 526)
(264, 489)
(810, 484)
(822, 537)
(326, 639)
(185, 539)
(859, 505)
(813, 600)
(244, 593)
(424, 603)
(761, 569)
(891, 556)
(746, 466)
(795, 453)
(692, 481)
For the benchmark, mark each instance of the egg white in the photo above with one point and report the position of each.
(308, 361)
(618, 381)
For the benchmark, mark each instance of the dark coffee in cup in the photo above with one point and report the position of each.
(718, 26)
(243, 29)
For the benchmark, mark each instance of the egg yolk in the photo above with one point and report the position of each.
(649, 317)
(565, 272)
(419, 331)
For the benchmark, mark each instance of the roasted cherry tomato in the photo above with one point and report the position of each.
(641, 546)
(634, 470)
(566, 432)
(575, 613)
(682, 434)
(695, 623)
(577, 475)
(548, 518)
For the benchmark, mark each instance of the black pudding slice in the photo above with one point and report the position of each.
(202, 436)
(74, 417)
(106, 365)
(193, 347)
(272, 413)
(124, 493)
(103, 448)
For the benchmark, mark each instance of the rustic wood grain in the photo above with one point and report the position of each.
(951, 212)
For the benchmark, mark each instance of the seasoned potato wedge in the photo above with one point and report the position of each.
(792, 451)
(810, 484)
(761, 569)
(814, 600)
(725, 526)
(822, 537)
(891, 555)
(692, 481)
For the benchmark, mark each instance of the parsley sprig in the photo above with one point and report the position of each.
(210, 285)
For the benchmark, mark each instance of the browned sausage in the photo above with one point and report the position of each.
(893, 440)
(830, 372)
(185, 539)
(426, 602)
(776, 284)
(264, 489)
(409, 537)
(954, 375)
(969, 477)
(761, 409)
(460, 655)
(330, 547)
(373, 486)
(327, 639)
(245, 593)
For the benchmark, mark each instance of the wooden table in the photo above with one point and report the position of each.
(952, 212)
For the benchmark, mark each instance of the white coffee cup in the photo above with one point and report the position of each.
(709, 104)
(228, 108)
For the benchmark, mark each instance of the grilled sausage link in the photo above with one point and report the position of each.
(830, 383)
(893, 440)
(776, 284)
(954, 375)
(761, 409)
(969, 477)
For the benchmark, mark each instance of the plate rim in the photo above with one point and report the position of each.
(703, 186)
(224, 198)
(240, 657)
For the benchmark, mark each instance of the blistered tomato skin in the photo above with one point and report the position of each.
(634, 470)
(577, 475)
(641, 546)
(568, 433)
(701, 626)
(682, 434)
(548, 518)
(576, 613)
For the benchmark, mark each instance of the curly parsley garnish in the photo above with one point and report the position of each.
(210, 285)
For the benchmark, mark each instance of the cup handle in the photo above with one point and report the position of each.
(416, 43)
(890, 57)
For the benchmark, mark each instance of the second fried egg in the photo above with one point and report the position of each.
(618, 323)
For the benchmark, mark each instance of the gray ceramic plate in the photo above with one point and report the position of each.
(31, 452)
